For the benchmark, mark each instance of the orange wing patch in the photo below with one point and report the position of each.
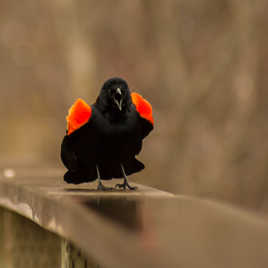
(143, 107)
(79, 114)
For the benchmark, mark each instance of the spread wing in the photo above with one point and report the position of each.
(79, 114)
(145, 111)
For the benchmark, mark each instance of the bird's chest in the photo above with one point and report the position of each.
(117, 135)
(118, 131)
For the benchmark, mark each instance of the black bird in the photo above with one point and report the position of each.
(102, 139)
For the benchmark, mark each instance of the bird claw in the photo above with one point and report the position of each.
(124, 186)
(120, 186)
(101, 187)
(132, 188)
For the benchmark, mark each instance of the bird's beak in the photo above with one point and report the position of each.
(118, 99)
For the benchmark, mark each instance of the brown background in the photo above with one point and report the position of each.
(202, 64)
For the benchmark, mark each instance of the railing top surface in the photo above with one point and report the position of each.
(159, 229)
(42, 196)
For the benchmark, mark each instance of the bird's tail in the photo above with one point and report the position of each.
(113, 170)
(107, 171)
(133, 166)
(76, 177)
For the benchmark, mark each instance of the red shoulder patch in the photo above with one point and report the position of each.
(78, 115)
(143, 107)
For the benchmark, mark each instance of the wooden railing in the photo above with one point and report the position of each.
(47, 223)
(74, 226)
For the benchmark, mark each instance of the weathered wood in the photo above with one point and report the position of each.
(148, 228)
(25, 245)
(76, 214)
(73, 257)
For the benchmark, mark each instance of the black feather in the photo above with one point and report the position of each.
(111, 137)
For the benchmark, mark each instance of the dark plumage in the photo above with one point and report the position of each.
(105, 146)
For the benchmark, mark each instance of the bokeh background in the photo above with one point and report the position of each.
(202, 64)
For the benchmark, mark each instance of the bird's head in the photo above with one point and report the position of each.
(115, 95)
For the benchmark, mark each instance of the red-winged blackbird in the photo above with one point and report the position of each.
(103, 139)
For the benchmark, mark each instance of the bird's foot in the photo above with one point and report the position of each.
(125, 186)
(101, 187)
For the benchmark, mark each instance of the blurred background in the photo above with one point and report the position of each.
(202, 65)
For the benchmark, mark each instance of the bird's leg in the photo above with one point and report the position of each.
(101, 187)
(125, 184)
